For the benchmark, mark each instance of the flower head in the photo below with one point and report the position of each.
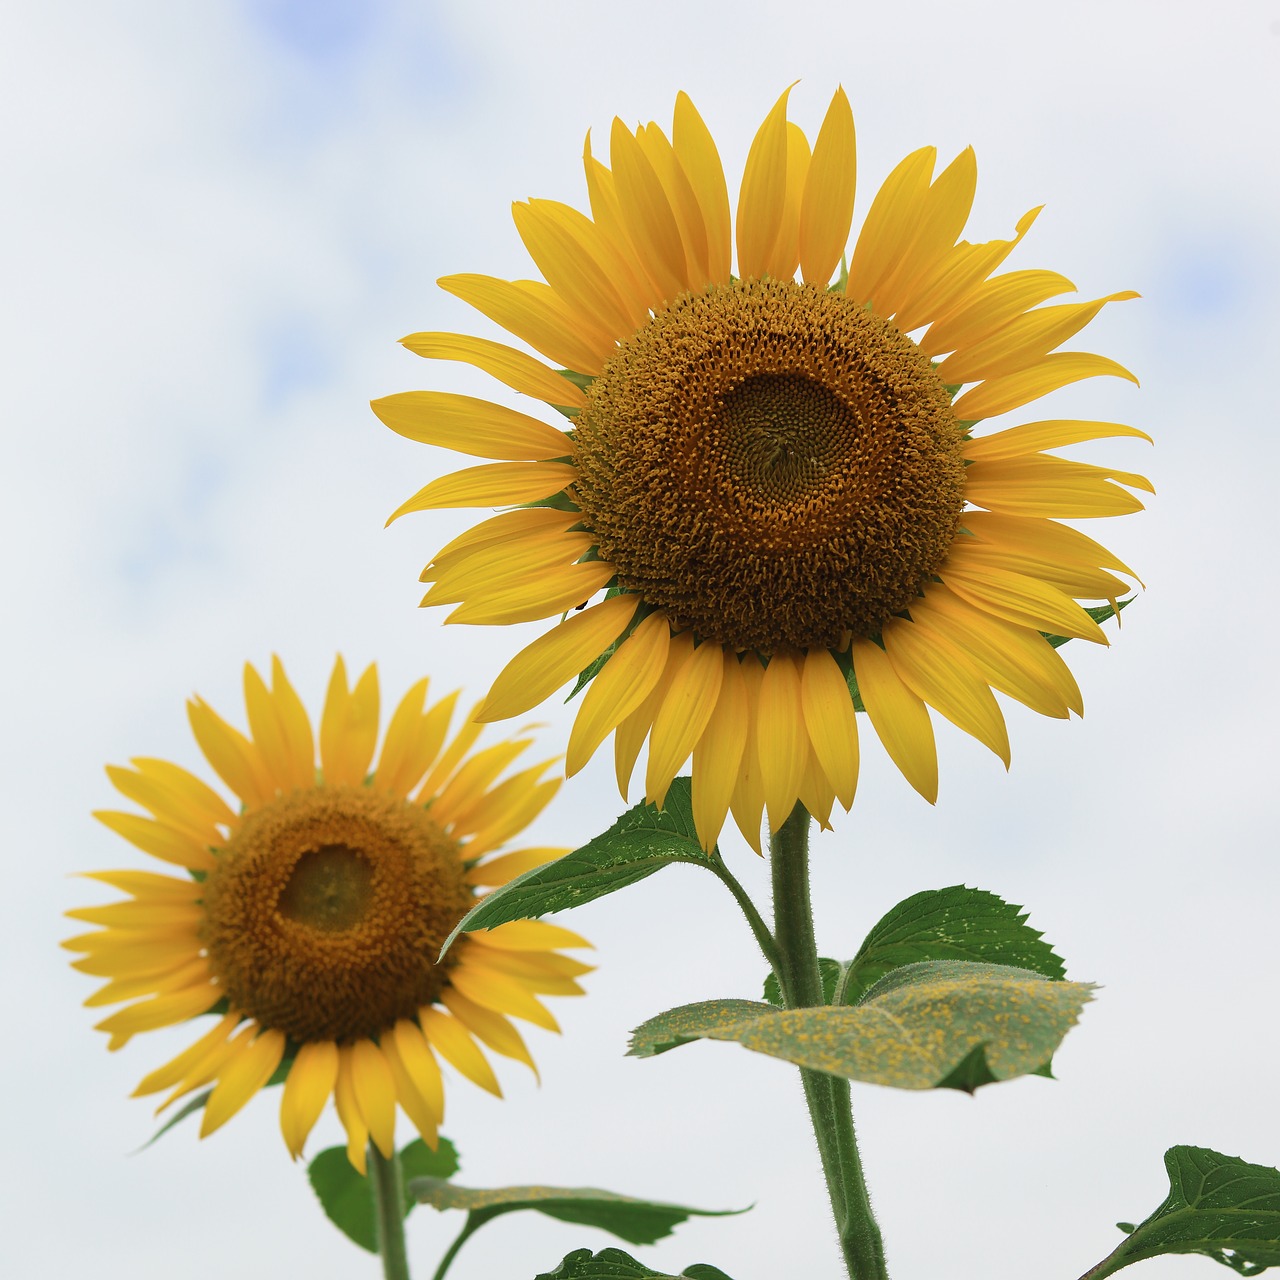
(775, 479)
(308, 923)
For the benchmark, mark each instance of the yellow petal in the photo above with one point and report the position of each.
(831, 722)
(991, 306)
(1000, 395)
(1082, 581)
(682, 718)
(267, 730)
(234, 758)
(1044, 538)
(420, 1064)
(942, 214)
(487, 570)
(1040, 485)
(890, 224)
(553, 591)
(619, 687)
(781, 742)
(468, 425)
(957, 279)
(816, 792)
(511, 820)
(534, 318)
(1023, 341)
(158, 839)
(375, 1090)
(498, 871)
(505, 529)
(528, 935)
(491, 1028)
(449, 1038)
(1013, 659)
(299, 741)
(540, 668)
(899, 718)
(718, 755)
(453, 755)
(696, 151)
(575, 263)
(682, 199)
(631, 732)
(826, 212)
(247, 1071)
(150, 984)
(344, 1097)
(500, 992)
(149, 883)
(935, 671)
(763, 196)
(307, 1088)
(1022, 600)
(349, 727)
(1034, 437)
(646, 213)
(161, 1010)
(747, 802)
(633, 275)
(784, 257)
(174, 796)
(141, 914)
(518, 371)
(410, 1096)
(405, 757)
(474, 778)
(495, 484)
(175, 1069)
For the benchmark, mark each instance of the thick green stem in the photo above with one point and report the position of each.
(386, 1182)
(828, 1096)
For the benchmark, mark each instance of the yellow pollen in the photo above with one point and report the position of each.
(327, 910)
(772, 465)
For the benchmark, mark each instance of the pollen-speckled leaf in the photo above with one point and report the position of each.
(633, 1220)
(642, 841)
(1218, 1206)
(955, 923)
(917, 1028)
(689, 1022)
(1099, 613)
(347, 1199)
(613, 1264)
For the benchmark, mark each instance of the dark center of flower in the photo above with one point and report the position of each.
(772, 465)
(327, 910)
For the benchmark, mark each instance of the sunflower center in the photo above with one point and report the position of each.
(327, 910)
(772, 465)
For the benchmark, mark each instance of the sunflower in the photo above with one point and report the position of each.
(308, 922)
(774, 477)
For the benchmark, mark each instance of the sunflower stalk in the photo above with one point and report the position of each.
(386, 1182)
(800, 981)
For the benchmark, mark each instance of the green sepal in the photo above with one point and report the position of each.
(188, 1108)
(347, 1199)
(613, 1264)
(955, 923)
(634, 1220)
(644, 840)
(917, 1028)
(1218, 1206)
(1099, 613)
(832, 972)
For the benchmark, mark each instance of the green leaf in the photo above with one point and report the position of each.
(635, 1221)
(1218, 1206)
(613, 1264)
(345, 1194)
(831, 970)
(917, 1028)
(1099, 613)
(190, 1107)
(642, 841)
(956, 923)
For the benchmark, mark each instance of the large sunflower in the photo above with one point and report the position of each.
(308, 923)
(776, 482)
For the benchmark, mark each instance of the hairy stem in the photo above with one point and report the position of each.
(827, 1096)
(387, 1184)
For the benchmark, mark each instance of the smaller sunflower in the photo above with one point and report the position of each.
(309, 922)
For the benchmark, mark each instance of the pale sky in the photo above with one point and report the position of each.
(222, 216)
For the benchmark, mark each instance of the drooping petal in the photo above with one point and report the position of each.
(307, 1088)
(747, 802)
(899, 718)
(540, 668)
(831, 721)
(718, 756)
(375, 1090)
(344, 1098)
(781, 741)
(449, 1038)
(247, 1071)
(682, 718)
(631, 732)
